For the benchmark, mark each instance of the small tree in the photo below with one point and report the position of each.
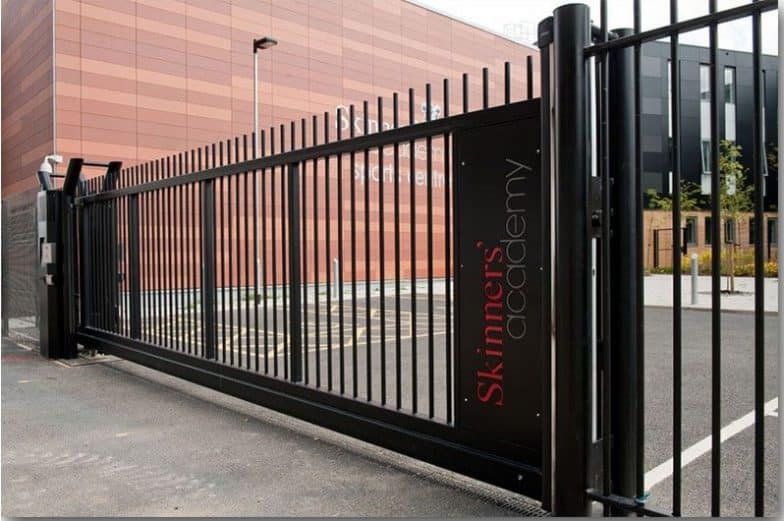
(773, 157)
(690, 198)
(736, 196)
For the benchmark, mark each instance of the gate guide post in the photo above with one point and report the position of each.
(567, 86)
(626, 273)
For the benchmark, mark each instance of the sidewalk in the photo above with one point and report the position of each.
(115, 438)
(658, 292)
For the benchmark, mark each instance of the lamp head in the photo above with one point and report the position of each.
(264, 43)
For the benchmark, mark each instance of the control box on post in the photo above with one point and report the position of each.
(51, 276)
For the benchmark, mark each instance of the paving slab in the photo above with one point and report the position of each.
(658, 292)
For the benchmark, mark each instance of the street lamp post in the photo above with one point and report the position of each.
(262, 43)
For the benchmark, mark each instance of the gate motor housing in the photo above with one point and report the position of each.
(50, 273)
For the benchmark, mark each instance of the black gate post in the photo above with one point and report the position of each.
(208, 289)
(626, 272)
(567, 117)
(295, 276)
(69, 235)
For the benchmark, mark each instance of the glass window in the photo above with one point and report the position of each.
(691, 231)
(705, 154)
(729, 103)
(708, 231)
(729, 85)
(729, 231)
(705, 129)
(752, 235)
(705, 82)
(772, 230)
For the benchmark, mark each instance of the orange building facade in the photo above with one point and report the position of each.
(135, 80)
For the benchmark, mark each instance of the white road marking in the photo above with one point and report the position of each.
(658, 474)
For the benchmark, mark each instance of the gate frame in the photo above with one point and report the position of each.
(437, 443)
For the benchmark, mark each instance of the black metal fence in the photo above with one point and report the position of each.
(608, 466)
(311, 270)
(19, 262)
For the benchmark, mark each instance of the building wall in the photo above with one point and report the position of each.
(661, 220)
(655, 108)
(138, 80)
(27, 114)
(141, 79)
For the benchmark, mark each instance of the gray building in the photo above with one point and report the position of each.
(736, 113)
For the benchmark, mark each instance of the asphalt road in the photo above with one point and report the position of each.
(117, 439)
(737, 389)
(737, 400)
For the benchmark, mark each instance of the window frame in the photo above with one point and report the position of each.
(691, 231)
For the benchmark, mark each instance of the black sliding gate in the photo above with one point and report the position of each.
(391, 285)
(426, 284)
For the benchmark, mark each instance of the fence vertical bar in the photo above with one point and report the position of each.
(572, 290)
(396, 207)
(413, 268)
(381, 248)
(341, 271)
(353, 213)
(283, 252)
(366, 211)
(507, 83)
(274, 230)
(448, 229)
(303, 173)
(316, 298)
(257, 266)
(133, 251)
(328, 254)
(758, 156)
(208, 287)
(247, 251)
(295, 276)
(485, 87)
(626, 270)
(715, 270)
(676, 265)
(429, 241)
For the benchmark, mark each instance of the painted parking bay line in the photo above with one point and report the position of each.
(658, 474)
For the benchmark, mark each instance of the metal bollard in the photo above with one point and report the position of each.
(694, 273)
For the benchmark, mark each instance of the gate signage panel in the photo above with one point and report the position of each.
(502, 265)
